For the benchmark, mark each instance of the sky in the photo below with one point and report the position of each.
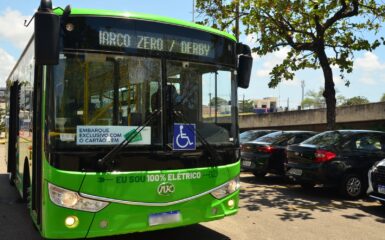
(367, 79)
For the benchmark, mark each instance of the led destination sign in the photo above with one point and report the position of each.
(155, 42)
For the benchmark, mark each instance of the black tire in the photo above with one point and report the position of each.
(11, 179)
(352, 186)
(26, 182)
(307, 185)
(259, 174)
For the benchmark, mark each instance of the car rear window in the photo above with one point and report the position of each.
(248, 136)
(275, 138)
(326, 138)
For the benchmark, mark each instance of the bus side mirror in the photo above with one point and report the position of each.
(245, 64)
(47, 27)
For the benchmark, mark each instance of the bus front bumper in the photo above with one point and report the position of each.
(117, 218)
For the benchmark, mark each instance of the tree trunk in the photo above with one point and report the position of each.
(329, 92)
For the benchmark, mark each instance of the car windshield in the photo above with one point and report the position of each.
(326, 139)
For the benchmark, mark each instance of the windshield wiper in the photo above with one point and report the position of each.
(106, 163)
(214, 156)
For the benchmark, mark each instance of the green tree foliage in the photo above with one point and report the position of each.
(246, 106)
(382, 98)
(219, 101)
(319, 33)
(355, 101)
(315, 99)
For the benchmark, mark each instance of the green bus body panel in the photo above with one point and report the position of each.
(128, 186)
(66, 179)
(123, 218)
(146, 17)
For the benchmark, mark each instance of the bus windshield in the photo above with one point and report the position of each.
(98, 98)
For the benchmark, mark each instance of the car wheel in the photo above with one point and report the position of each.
(307, 185)
(352, 186)
(259, 174)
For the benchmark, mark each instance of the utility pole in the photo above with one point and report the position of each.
(193, 10)
(237, 21)
(303, 92)
(288, 103)
(210, 104)
(243, 103)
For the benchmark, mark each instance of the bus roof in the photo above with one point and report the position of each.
(143, 16)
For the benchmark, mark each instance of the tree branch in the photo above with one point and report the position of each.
(342, 13)
(292, 29)
(285, 32)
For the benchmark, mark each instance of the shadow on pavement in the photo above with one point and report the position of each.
(193, 232)
(378, 211)
(296, 203)
(16, 224)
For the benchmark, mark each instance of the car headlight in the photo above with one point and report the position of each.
(226, 189)
(70, 199)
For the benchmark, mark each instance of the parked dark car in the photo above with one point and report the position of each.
(376, 187)
(338, 158)
(251, 135)
(267, 153)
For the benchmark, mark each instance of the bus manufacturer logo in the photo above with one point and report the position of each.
(166, 189)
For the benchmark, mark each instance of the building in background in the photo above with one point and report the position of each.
(2, 98)
(265, 105)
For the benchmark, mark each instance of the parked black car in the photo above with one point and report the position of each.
(251, 135)
(338, 158)
(267, 153)
(376, 187)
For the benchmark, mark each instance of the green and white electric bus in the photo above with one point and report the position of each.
(122, 122)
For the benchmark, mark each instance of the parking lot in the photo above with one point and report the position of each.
(270, 208)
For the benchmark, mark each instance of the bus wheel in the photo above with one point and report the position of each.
(11, 178)
(26, 181)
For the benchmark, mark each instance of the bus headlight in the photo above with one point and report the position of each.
(70, 199)
(228, 188)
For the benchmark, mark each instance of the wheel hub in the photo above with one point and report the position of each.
(353, 186)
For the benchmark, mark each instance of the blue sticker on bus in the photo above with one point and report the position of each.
(184, 137)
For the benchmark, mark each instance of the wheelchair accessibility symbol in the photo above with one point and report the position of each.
(184, 137)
